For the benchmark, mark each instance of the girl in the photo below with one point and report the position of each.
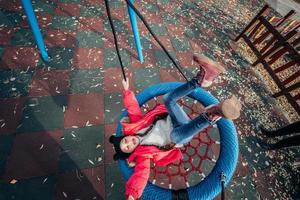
(156, 135)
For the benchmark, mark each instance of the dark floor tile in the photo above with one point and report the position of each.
(50, 83)
(10, 115)
(112, 107)
(23, 37)
(159, 29)
(43, 113)
(64, 23)
(10, 18)
(6, 35)
(114, 182)
(20, 57)
(84, 110)
(94, 24)
(44, 21)
(113, 80)
(91, 182)
(59, 58)
(181, 44)
(36, 153)
(86, 81)
(57, 38)
(6, 142)
(146, 77)
(40, 6)
(91, 11)
(29, 189)
(89, 39)
(162, 60)
(82, 148)
(14, 83)
(111, 59)
(67, 9)
(88, 58)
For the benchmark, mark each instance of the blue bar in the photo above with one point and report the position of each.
(35, 28)
(135, 30)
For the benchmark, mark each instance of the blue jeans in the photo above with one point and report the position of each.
(184, 128)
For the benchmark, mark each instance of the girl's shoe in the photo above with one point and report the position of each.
(209, 70)
(231, 108)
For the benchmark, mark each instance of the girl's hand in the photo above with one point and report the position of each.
(130, 198)
(125, 84)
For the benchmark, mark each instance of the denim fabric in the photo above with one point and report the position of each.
(184, 128)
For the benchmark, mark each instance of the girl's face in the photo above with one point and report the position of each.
(129, 143)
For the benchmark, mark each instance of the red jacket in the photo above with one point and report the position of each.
(143, 154)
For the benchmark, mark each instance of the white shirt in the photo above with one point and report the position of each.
(159, 135)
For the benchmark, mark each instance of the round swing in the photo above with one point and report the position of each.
(214, 182)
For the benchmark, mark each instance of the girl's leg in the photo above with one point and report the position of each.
(184, 133)
(177, 114)
(287, 130)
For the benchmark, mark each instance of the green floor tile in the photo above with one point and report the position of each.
(23, 37)
(82, 148)
(70, 1)
(14, 83)
(151, 7)
(59, 58)
(163, 2)
(192, 31)
(1, 51)
(170, 19)
(162, 60)
(159, 29)
(91, 11)
(6, 142)
(146, 77)
(181, 44)
(115, 4)
(89, 39)
(115, 184)
(118, 25)
(86, 81)
(29, 189)
(43, 113)
(41, 6)
(111, 59)
(245, 188)
(66, 23)
(145, 42)
(113, 106)
(9, 18)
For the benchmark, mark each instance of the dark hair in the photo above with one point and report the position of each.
(119, 153)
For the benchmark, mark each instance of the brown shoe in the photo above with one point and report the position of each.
(208, 70)
(231, 108)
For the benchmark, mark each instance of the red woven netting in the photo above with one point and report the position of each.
(199, 155)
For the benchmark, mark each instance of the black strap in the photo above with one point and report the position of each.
(115, 37)
(180, 194)
(155, 37)
(223, 186)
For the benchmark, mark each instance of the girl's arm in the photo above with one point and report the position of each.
(138, 181)
(131, 104)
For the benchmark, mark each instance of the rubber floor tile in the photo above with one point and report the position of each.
(10, 115)
(90, 181)
(82, 148)
(37, 153)
(50, 83)
(43, 113)
(86, 81)
(84, 110)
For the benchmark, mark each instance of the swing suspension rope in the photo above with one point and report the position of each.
(151, 32)
(156, 172)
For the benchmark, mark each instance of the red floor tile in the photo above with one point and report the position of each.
(242, 169)
(165, 40)
(175, 31)
(88, 58)
(149, 60)
(186, 59)
(50, 83)
(84, 110)
(10, 115)
(110, 129)
(11, 5)
(59, 38)
(20, 57)
(67, 9)
(94, 24)
(113, 80)
(33, 154)
(170, 75)
(81, 184)
(44, 20)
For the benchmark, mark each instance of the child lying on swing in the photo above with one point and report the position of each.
(157, 134)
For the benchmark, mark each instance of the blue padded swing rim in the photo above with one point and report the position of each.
(210, 186)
